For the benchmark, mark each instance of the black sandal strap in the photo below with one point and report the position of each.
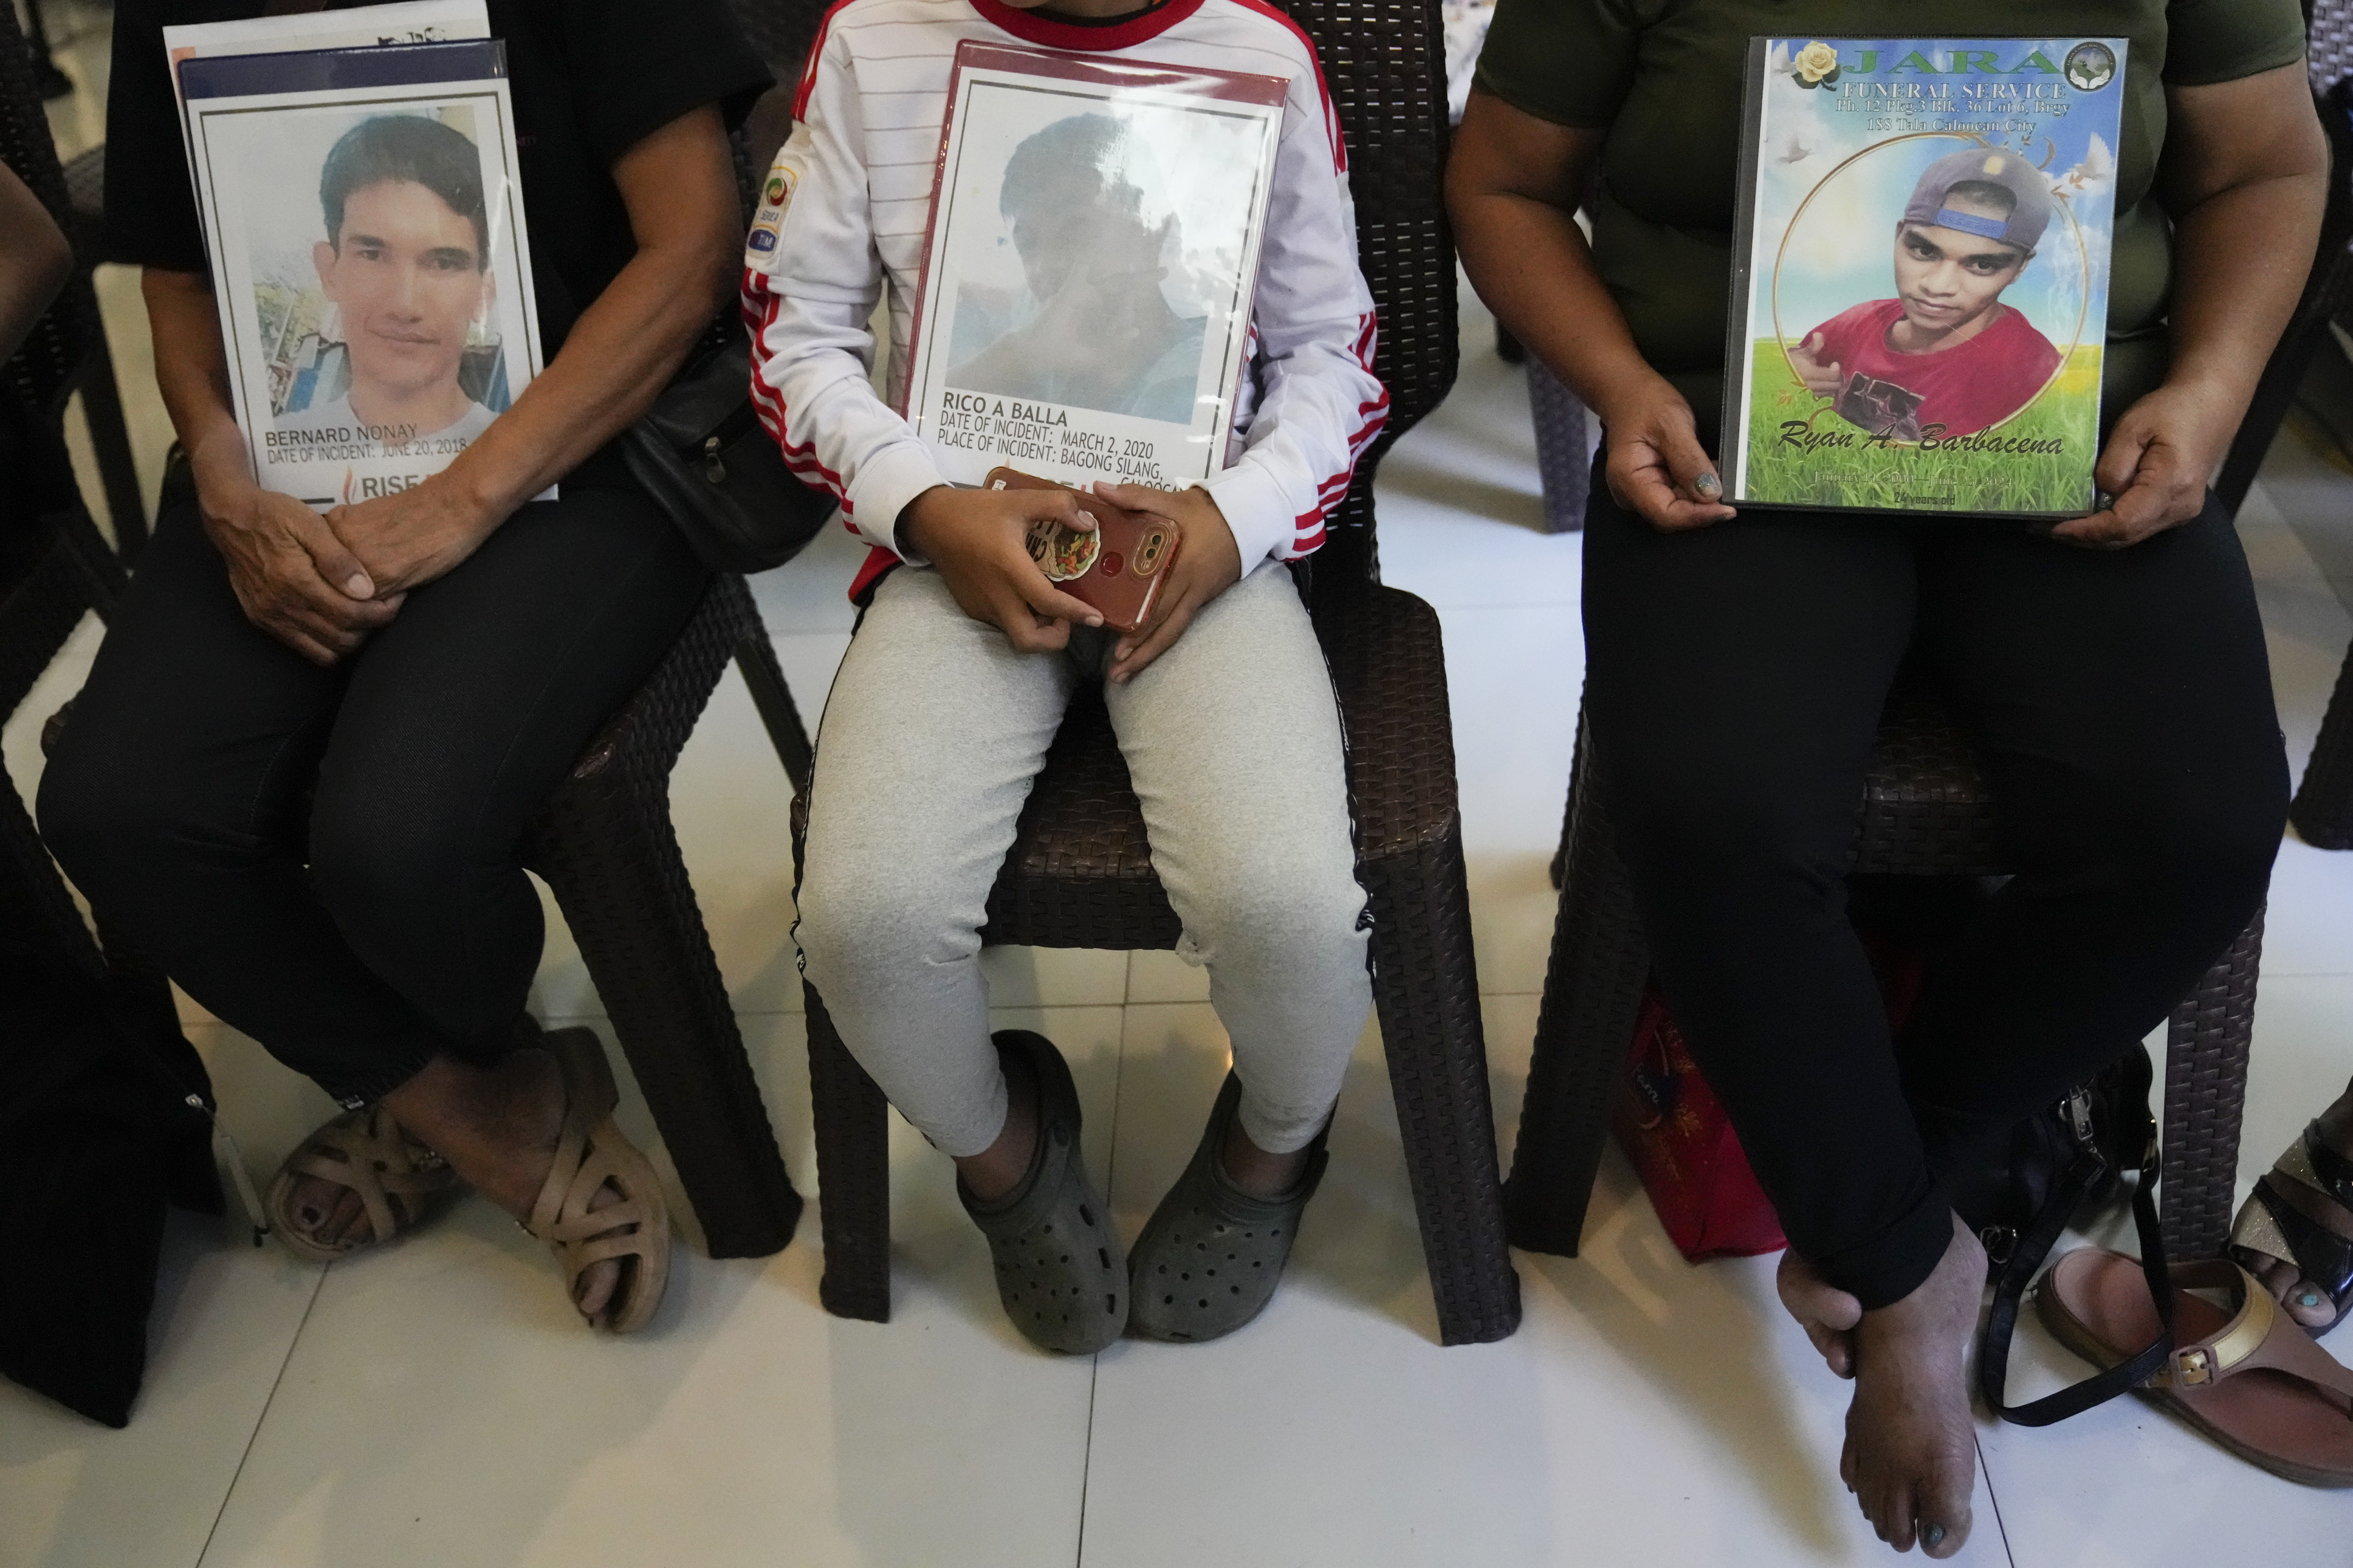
(2320, 1254)
(2334, 1170)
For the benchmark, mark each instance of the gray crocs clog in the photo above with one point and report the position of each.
(1211, 1255)
(1060, 1271)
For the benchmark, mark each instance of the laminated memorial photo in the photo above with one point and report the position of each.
(369, 256)
(1085, 306)
(1920, 274)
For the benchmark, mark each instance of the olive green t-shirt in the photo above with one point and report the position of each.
(1663, 78)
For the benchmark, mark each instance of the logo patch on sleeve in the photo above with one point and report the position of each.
(760, 247)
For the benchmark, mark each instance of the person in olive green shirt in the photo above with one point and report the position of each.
(1738, 665)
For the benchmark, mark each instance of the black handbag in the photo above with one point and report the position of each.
(2057, 1163)
(701, 452)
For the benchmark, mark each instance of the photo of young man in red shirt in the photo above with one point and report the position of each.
(1946, 357)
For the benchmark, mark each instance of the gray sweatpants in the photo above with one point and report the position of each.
(932, 738)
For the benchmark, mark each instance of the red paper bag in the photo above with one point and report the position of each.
(1674, 1130)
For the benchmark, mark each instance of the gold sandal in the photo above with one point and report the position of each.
(369, 1152)
(591, 1154)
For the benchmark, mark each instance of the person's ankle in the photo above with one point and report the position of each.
(1256, 1172)
(999, 1169)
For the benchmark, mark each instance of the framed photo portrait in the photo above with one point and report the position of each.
(1083, 311)
(370, 257)
(1921, 273)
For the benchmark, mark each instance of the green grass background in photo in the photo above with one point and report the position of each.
(1904, 478)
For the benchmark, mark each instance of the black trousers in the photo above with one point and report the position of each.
(2122, 702)
(359, 931)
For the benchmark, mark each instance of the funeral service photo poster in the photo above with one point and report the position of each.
(1920, 283)
(370, 259)
(1085, 306)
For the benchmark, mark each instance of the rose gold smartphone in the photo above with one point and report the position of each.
(1118, 568)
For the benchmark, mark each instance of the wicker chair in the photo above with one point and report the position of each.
(67, 351)
(101, 399)
(54, 565)
(1079, 873)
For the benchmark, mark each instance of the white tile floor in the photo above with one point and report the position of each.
(435, 1404)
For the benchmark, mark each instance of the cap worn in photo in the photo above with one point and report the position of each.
(2029, 216)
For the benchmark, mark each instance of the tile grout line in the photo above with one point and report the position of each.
(1094, 1368)
(255, 1436)
(2000, 1524)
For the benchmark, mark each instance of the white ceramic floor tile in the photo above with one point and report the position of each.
(74, 1494)
(1460, 508)
(442, 1407)
(1647, 1411)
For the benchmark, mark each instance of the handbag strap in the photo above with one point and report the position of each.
(2081, 1175)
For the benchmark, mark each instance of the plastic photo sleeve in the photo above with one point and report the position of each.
(1921, 273)
(1083, 311)
(369, 258)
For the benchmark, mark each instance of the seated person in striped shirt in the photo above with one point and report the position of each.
(966, 659)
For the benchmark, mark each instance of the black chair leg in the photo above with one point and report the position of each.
(853, 1172)
(1593, 991)
(2207, 1043)
(1428, 994)
(109, 440)
(2323, 808)
(606, 848)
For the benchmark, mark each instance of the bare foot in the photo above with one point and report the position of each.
(999, 1168)
(499, 1127)
(2305, 1300)
(1256, 1172)
(1827, 1313)
(1911, 1448)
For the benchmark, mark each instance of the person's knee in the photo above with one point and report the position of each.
(376, 867)
(861, 927)
(1289, 912)
(2215, 849)
(103, 810)
(1685, 828)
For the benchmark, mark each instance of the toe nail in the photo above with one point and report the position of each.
(2308, 1298)
(1932, 1535)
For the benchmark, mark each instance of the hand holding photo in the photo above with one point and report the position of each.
(1952, 365)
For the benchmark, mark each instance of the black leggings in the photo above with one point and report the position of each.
(2122, 703)
(361, 932)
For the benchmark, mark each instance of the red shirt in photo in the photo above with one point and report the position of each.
(1966, 388)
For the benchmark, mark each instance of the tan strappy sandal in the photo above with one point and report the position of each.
(592, 1153)
(396, 1176)
(2243, 1372)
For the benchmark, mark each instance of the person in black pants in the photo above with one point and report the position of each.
(299, 772)
(2111, 670)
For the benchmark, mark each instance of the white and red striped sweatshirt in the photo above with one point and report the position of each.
(865, 143)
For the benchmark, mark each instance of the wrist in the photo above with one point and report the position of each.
(1632, 396)
(913, 522)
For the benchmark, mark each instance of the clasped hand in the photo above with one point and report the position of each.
(978, 542)
(323, 585)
